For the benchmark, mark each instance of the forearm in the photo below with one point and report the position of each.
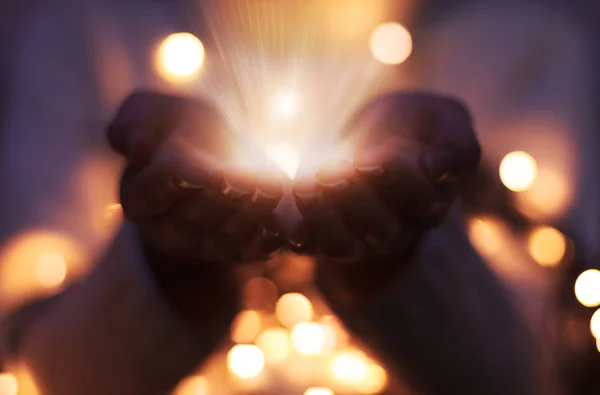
(445, 322)
(117, 333)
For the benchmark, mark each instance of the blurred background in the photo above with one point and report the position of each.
(288, 74)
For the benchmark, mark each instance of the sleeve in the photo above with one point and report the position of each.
(114, 333)
(445, 324)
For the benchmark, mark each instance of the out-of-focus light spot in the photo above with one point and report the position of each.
(180, 57)
(113, 210)
(8, 384)
(51, 269)
(293, 308)
(335, 333)
(485, 235)
(260, 293)
(549, 197)
(350, 367)
(587, 288)
(598, 344)
(391, 43)
(284, 156)
(286, 105)
(318, 391)
(194, 385)
(245, 361)
(308, 338)
(375, 381)
(547, 246)
(595, 324)
(518, 171)
(246, 327)
(274, 344)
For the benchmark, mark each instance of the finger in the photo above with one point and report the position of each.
(152, 190)
(146, 119)
(359, 205)
(327, 230)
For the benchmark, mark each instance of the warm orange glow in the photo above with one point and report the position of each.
(547, 246)
(548, 197)
(318, 391)
(598, 344)
(8, 384)
(180, 57)
(485, 235)
(361, 15)
(245, 361)
(260, 293)
(587, 288)
(595, 324)
(286, 105)
(274, 344)
(518, 171)
(335, 333)
(246, 327)
(308, 338)
(194, 385)
(113, 210)
(293, 308)
(284, 156)
(375, 381)
(391, 43)
(51, 269)
(350, 367)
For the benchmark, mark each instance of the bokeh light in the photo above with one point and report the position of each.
(538, 204)
(518, 171)
(587, 288)
(293, 308)
(391, 43)
(275, 344)
(8, 384)
(375, 381)
(595, 324)
(349, 367)
(51, 269)
(193, 385)
(246, 327)
(547, 246)
(286, 105)
(318, 391)
(308, 338)
(598, 344)
(180, 57)
(485, 234)
(245, 361)
(284, 156)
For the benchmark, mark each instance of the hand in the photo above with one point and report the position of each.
(194, 214)
(366, 216)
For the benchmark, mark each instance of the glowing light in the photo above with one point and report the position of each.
(598, 344)
(587, 288)
(318, 391)
(180, 57)
(51, 269)
(335, 333)
(274, 344)
(293, 308)
(375, 381)
(308, 338)
(350, 367)
(8, 384)
(194, 385)
(245, 361)
(284, 156)
(595, 324)
(391, 43)
(547, 246)
(246, 327)
(485, 235)
(113, 210)
(536, 203)
(286, 105)
(518, 171)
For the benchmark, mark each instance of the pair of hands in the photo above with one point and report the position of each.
(190, 207)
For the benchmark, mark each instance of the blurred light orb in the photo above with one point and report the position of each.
(284, 156)
(286, 105)
(308, 338)
(51, 269)
(246, 327)
(595, 324)
(8, 384)
(350, 367)
(275, 344)
(587, 288)
(292, 309)
(547, 246)
(598, 344)
(194, 385)
(391, 43)
(485, 234)
(518, 171)
(318, 391)
(335, 333)
(245, 361)
(180, 56)
(376, 380)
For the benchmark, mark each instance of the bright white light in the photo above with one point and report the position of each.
(391, 43)
(518, 171)
(181, 56)
(8, 384)
(318, 391)
(308, 338)
(595, 324)
(284, 156)
(286, 105)
(245, 361)
(587, 288)
(350, 367)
